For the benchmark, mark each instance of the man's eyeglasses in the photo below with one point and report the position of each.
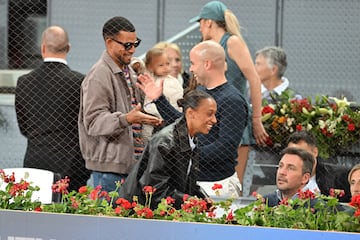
(128, 45)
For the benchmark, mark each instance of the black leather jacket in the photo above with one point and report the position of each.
(332, 176)
(164, 165)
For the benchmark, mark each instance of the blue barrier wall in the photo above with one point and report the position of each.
(33, 225)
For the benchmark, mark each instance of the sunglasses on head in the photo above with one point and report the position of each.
(128, 45)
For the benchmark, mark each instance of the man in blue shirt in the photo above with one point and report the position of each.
(293, 174)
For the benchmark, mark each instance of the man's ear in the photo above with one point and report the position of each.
(275, 70)
(68, 48)
(316, 151)
(207, 64)
(43, 49)
(305, 178)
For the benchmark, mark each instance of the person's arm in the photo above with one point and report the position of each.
(20, 107)
(167, 112)
(154, 91)
(98, 113)
(240, 53)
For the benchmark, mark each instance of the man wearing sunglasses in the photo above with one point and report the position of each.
(110, 118)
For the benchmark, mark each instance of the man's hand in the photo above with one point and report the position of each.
(137, 116)
(151, 89)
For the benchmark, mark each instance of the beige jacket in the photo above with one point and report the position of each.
(106, 139)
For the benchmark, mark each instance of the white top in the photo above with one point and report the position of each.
(312, 185)
(61, 60)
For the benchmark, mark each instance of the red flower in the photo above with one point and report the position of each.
(145, 212)
(185, 197)
(308, 194)
(194, 205)
(217, 186)
(267, 109)
(332, 192)
(336, 192)
(325, 132)
(38, 209)
(61, 186)
(211, 214)
(333, 106)
(117, 210)
(351, 127)
(298, 104)
(284, 201)
(346, 118)
(230, 216)
(94, 193)
(170, 200)
(355, 201)
(269, 141)
(357, 213)
(149, 189)
(9, 178)
(83, 189)
(298, 127)
(124, 203)
(74, 203)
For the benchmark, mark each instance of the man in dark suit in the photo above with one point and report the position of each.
(47, 105)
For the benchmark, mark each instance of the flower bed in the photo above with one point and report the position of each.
(325, 215)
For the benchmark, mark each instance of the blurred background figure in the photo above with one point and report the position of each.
(354, 180)
(173, 52)
(270, 65)
(137, 65)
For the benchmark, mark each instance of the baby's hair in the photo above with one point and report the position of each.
(151, 54)
(192, 99)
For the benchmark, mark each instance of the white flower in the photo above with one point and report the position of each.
(322, 124)
(290, 121)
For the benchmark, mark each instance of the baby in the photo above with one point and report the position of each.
(157, 64)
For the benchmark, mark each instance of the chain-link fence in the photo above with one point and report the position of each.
(319, 37)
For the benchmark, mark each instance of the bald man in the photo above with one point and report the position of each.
(47, 104)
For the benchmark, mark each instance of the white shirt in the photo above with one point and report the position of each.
(312, 185)
(192, 145)
(61, 60)
(278, 90)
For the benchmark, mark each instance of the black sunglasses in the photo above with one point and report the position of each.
(128, 45)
